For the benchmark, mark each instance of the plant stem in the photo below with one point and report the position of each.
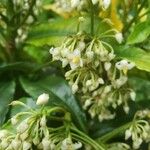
(98, 146)
(113, 133)
(92, 16)
(134, 19)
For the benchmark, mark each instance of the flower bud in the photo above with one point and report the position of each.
(106, 3)
(14, 120)
(42, 99)
(26, 145)
(3, 133)
(128, 134)
(4, 144)
(107, 65)
(22, 127)
(133, 95)
(74, 88)
(16, 144)
(119, 37)
(43, 121)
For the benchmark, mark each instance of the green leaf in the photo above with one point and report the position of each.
(7, 90)
(136, 55)
(52, 32)
(60, 94)
(140, 33)
(19, 66)
(26, 100)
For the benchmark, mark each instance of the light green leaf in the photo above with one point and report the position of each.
(60, 94)
(140, 33)
(52, 32)
(7, 90)
(136, 55)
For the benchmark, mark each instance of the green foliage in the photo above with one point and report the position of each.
(140, 33)
(7, 90)
(60, 94)
(136, 55)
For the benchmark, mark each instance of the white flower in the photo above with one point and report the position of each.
(14, 120)
(3, 133)
(75, 3)
(107, 89)
(26, 145)
(16, 144)
(137, 143)
(20, 31)
(90, 54)
(94, 2)
(46, 144)
(4, 144)
(126, 109)
(42, 99)
(107, 66)
(30, 19)
(124, 65)
(87, 103)
(88, 83)
(119, 37)
(75, 59)
(43, 121)
(67, 144)
(74, 88)
(106, 3)
(77, 145)
(119, 82)
(22, 127)
(100, 81)
(128, 134)
(55, 53)
(133, 95)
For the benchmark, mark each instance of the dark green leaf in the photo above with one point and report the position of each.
(60, 94)
(7, 90)
(20, 66)
(140, 33)
(136, 55)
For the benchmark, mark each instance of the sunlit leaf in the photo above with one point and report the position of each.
(140, 33)
(136, 55)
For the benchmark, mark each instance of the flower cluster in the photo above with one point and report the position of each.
(32, 129)
(26, 18)
(70, 5)
(139, 130)
(93, 74)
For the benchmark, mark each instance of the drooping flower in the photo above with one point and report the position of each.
(119, 37)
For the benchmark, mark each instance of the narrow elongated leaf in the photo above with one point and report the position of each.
(7, 90)
(136, 55)
(18, 66)
(140, 33)
(60, 94)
